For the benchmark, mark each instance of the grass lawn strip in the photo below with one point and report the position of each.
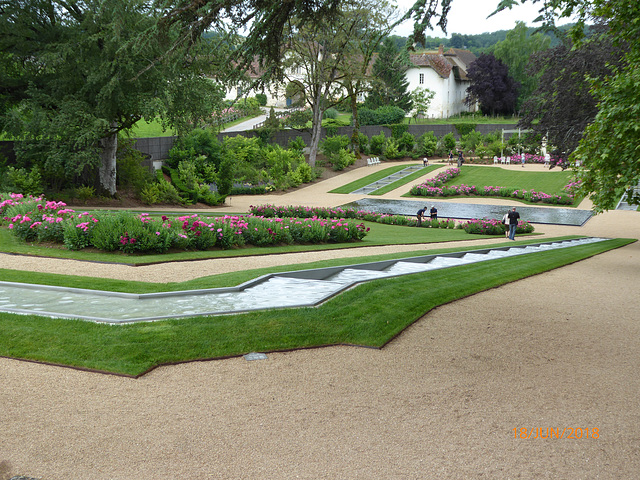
(374, 177)
(231, 279)
(380, 234)
(403, 181)
(360, 316)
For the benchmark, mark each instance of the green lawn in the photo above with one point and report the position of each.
(370, 314)
(144, 129)
(544, 181)
(547, 182)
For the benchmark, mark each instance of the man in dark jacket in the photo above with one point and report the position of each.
(420, 215)
(513, 223)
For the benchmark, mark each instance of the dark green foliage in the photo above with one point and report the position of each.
(332, 145)
(406, 142)
(385, 115)
(197, 143)
(464, 128)
(427, 143)
(297, 119)
(224, 180)
(330, 113)
(97, 82)
(130, 172)
(377, 143)
(390, 85)
(272, 122)
(262, 99)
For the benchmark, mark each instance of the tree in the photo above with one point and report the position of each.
(389, 82)
(609, 152)
(515, 52)
(491, 86)
(421, 99)
(79, 75)
(315, 49)
(376, 20)
(562, 105)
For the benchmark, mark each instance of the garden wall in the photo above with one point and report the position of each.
(158, 147)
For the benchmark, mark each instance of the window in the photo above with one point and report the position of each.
(422, 79)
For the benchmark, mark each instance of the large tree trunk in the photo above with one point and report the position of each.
(316, 129)
(107, 170)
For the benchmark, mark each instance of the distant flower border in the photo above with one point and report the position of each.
(434, 187)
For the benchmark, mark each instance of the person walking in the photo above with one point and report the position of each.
(513, 223)
(460, 159)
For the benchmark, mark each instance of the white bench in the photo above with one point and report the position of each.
(373, 161)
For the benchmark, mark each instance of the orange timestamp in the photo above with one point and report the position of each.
(544, 433)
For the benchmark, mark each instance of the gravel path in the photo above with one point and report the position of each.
(441, 401)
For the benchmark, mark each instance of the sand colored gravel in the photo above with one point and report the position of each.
(556, 351)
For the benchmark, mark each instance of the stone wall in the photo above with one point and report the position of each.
(158, 147)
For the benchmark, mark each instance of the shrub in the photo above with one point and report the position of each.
(465, 128)
(297, 119)
(262, 99)
(389, 114)
(85, 192)
(297, 144)
(330, 113)
(129, 169)
(366, 116)
(202, 143)
(332, 145)
(449, 141)
(391, 149)
(377, 144)
(27, 182)
(406, 142)
(427, 143)
(363, 142)
(342, 159)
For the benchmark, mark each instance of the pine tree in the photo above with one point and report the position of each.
(389, 84)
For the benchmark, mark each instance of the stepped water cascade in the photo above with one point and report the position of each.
(280, 290)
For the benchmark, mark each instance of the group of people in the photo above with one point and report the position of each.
(433, 214)
(510, 219)
(460, 158)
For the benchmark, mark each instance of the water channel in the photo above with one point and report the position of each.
(287, 289)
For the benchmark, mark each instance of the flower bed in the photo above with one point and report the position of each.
(493, 227)
(320, 212)
(35, 219)
(435, 187)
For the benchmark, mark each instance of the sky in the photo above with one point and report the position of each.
(469, 17)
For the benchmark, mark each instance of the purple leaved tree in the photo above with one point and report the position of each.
(491, 86)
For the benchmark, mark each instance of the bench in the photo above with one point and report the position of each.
(373, 161)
